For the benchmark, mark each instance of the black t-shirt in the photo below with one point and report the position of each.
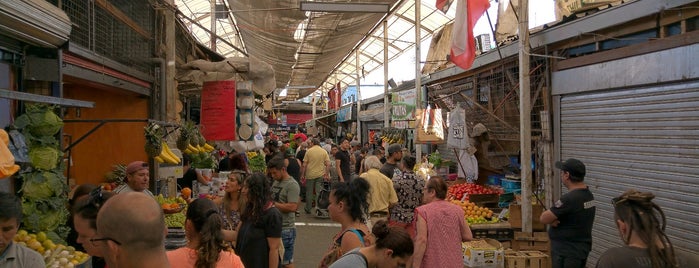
(300, 155)
(293, 169)
(388, 169)
(188, 178)
(251, 245)
(344, 158)
(573, 235)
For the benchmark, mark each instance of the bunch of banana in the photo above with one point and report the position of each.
(197, 143)
(393, 135)
(167, 156)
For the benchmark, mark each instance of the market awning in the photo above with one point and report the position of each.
(309, 50)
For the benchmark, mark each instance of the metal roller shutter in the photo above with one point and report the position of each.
(641, 138)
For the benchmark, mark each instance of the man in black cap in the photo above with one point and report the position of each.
(571, 218)
(395, 154)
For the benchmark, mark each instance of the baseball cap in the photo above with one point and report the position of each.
(394, 148)
(135, 166)
(302, 136)
(572, 165)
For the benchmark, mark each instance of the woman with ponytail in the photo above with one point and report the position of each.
(393, 248)
(348, 207)
(205, 245)
(641, 224)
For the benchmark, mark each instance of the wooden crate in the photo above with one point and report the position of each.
(526, 259)
(515, 217)
(531, 241)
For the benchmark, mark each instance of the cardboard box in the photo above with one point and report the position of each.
(526, 259)
(478, 256)
(515, 217)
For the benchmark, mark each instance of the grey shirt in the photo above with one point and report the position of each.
(351, 259)
(639, 257)
(286, 191)
(18, 256)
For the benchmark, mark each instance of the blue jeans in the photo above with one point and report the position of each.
(288, 239)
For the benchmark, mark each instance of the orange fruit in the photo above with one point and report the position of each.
(186, 192)
(165, 206)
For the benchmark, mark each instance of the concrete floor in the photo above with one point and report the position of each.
(313, 238)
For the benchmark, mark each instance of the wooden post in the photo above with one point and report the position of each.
(525, 116)
(546, 170)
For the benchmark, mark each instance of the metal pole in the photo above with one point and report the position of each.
(418, 83)
(385, 75)
(359, 97)
(213, 25)
(525, 134)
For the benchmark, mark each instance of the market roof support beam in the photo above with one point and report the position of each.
(344, 7)
(23, 96)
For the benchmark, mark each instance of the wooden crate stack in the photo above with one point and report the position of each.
(531, 241)
(526, 259)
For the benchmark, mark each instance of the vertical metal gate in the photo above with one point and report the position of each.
(644, 138)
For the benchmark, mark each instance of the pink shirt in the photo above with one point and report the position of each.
(186, 258)
(444, 227)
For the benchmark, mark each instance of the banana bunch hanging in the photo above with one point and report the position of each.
(191, 141)
(156, 147)
(393, 135)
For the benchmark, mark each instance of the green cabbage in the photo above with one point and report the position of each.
(40, 120)
(44, 157)
(42, 185)
(44, 215)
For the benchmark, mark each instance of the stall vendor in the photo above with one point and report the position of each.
(137, 177)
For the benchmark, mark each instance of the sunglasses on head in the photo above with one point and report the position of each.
(95, 197)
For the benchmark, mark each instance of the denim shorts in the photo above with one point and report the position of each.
(288, 239)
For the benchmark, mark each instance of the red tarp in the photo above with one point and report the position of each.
(218, 111)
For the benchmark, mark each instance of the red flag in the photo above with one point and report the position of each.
(463, 46)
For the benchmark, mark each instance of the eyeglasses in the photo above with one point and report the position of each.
(93, 240)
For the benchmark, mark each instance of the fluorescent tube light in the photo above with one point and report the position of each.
(345, 7)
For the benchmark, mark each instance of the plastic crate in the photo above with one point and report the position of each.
(511, 184)
(495, 179)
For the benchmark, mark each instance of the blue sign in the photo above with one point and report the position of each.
(344, 114)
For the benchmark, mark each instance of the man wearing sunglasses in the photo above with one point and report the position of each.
(571, 218)
(13, 254)
(131, 229)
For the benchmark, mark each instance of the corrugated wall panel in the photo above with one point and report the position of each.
(641, 138)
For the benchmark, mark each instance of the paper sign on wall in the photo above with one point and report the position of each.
(218, 110)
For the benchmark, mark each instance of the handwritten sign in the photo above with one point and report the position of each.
(218, 110)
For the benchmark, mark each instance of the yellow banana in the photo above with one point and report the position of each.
(171, 154)
(159, 159)
(192, 148)
(166, 157)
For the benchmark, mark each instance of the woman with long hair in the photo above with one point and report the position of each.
(261, 228)
(348, 207)
(231, 205)
(393, 248)
(205, 245)
(641, 225)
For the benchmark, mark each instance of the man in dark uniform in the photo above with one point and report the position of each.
(571, 218)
